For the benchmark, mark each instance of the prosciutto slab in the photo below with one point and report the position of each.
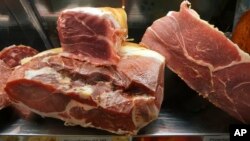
(120, 99)
(204, 58)
(92, 34)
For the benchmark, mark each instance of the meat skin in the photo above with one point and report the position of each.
(204, 58)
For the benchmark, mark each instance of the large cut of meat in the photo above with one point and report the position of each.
(120, 99)
(11, 57)
(204, 58)
(92, 34)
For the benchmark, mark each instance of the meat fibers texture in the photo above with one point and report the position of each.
(10, 57)
(204, 58)
(92, 34)
(120, 99)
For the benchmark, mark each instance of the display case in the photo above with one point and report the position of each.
(184, 114)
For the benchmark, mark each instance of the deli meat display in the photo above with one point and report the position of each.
(82, 70)
(82, 92)
(204, 58)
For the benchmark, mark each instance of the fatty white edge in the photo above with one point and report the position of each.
(50, 51)
(140, 124)
(68, 122)
(83, 91)
(127, 50)
(72, 122)
(131, 50)
(96, 12)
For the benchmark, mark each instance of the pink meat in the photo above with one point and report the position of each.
(120, 99)
(89, 37)
(12, 55)
(5, 72)
(204, 58)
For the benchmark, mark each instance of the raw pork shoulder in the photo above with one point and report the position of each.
(120, 99)
(92, 34)
(204, 58)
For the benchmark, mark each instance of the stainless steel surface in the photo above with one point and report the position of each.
(169, 123)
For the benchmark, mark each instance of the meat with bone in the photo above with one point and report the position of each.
(10, 57)
(120, 99)
(92, 34)
(204, 58)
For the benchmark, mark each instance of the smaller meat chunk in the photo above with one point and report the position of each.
(92, 34)
(12, 55)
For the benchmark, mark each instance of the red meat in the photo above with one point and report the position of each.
(120, 99)
(204, 58)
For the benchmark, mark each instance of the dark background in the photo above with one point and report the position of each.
(33, 22)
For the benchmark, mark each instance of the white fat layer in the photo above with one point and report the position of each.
(170, 13)
(97, 12)
(84, 92)
(29, 74)
(74, 103)
(50, 51)
(128, 50)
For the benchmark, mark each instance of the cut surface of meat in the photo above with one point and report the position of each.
(92, 34)
(204, 58)
(241, 32)
(119, 99)
(5, 72)
(12, 55)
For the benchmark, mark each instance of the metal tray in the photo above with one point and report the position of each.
(183, 113)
